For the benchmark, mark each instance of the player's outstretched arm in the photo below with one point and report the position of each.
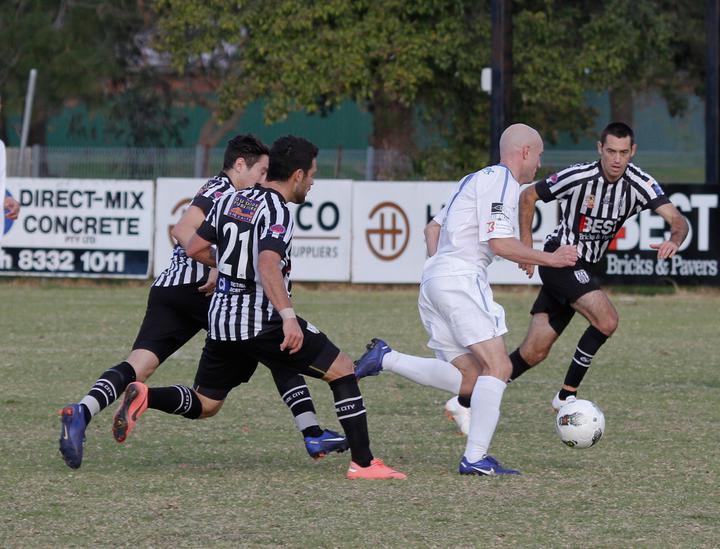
(678, 231)
(274, 288)
(526, 211)
(200, 250)
(514, 250)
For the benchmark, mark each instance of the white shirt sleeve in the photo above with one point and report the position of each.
(440, 217)
(497, 209)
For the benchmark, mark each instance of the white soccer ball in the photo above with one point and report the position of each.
(580, 424)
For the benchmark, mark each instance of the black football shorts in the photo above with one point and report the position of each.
(174, 314)
(226, 364)
(560, 288)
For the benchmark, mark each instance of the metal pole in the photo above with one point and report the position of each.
(712, 97)
(501, 17)
(27, 116)
(369, 164)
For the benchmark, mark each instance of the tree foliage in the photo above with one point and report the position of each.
(411, 63)
(78, 48)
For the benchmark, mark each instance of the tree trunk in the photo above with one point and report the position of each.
(392, 138)
(621, 105)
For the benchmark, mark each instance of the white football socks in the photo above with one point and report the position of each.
(484, 415)
(430, 372)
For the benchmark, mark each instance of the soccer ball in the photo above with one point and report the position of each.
(580, 423)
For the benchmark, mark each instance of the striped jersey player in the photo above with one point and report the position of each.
(177, 309)
(183, 269)
(595, 198)
(594, 209)
(251, 317)
(242, 225)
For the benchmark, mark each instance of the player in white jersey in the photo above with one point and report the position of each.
(464, 324)
(596, 198)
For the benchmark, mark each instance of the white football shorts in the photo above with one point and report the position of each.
(458, 311)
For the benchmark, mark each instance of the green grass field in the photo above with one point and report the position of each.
(243, 479)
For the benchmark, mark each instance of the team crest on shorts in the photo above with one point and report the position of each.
(582, 276)
(243, 208)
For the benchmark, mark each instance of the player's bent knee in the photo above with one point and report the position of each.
(342, 366)
(608, 325)
(144, 363)
(534, 356)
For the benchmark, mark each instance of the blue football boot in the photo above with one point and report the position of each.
(370, 364)
(72, 434)
(487, 466)
(328, 442)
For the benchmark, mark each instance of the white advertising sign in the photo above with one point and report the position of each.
(172, 197)
(321, 243)
(388, 223)
(80, 228)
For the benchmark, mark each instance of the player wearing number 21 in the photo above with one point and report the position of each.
(251, 318)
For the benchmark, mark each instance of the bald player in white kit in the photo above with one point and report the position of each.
(464, 324)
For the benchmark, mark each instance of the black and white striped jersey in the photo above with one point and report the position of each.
(183, 269)
(243, 224)
(592, 211)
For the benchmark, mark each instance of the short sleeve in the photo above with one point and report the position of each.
(208, 228)
(497, 209)
(277, 228)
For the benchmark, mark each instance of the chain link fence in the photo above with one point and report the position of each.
(358, 164)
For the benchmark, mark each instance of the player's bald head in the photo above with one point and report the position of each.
(517, 136)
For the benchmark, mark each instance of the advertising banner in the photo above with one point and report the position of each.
(321, 244)
(172, 197)
(630, 260)
(388, 239)
(79, 228)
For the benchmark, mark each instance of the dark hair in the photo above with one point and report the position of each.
(617, 129)
(289, 154)
(245, 146)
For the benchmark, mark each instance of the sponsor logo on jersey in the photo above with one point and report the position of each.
(490, 226)
(243, 208)
(278, 229)
(231, 287)
(582, 276)
(596, 228)
(488, 170)
(499, 211)
(553, 178)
